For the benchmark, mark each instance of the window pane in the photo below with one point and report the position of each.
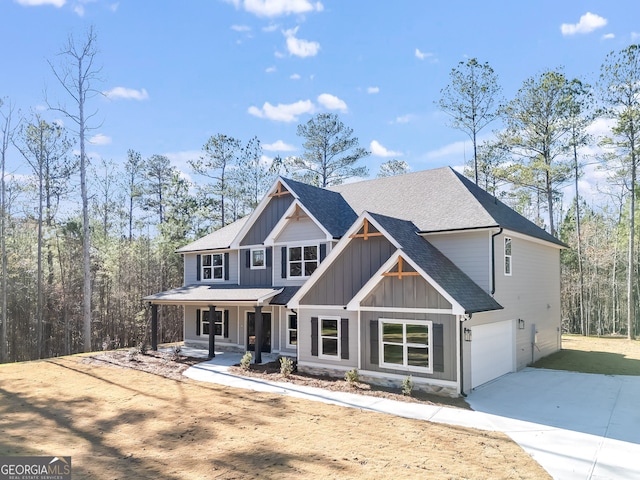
(206, 260)
(218, 329)
(507, 246)
(392, 332)
(418, 357)
(329, 346)
(217, 273)
(205, 328)
(311, 253)
(217, 260)
(206, 273)
(293, 321)
(507, 265)
(295, 269)
(418, 334)
(329, 328)
(393, 354)
(295, 254)
(309, 268)
(293, 337)
(258, 258)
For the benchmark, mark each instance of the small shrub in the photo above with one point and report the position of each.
(245, 363)
(407, 386)
(143, 347)
(286, 366)
(352, 376)
(132, 354)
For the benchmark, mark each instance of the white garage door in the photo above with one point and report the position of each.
(492, 347)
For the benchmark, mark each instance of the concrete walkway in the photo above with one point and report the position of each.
(577, 426)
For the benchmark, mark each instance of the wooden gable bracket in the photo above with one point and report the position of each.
(280, 191)
(400, 273)
(365, 232)
(297, 214)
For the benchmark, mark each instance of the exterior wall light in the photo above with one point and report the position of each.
(520, 324)
(467, 334)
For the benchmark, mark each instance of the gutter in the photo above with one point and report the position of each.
(493, 260)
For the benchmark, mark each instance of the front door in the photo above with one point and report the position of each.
(266, 332)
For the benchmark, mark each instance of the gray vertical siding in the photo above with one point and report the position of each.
(410, 292)
(301, 230)
(261, 276)
(347, 274)
(191, 269)
(268, 219)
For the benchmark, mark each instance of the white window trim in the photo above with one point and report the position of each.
(288, 329)
(264, 257)
(301, 246)
(212, 267)
(510, 257)
(404, 322)
(338, 355)
(202, 322)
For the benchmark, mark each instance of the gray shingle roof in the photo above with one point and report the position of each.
(203, 293)
(219, 239)
(443, 271)
(329, 208)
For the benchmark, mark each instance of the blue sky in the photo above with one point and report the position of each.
(177, 72)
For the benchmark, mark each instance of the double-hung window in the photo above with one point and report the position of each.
(292, 330)
(507, 256)
(329, 337)
(218, 325)
(213, 266)
(302, 261)
(406, 344)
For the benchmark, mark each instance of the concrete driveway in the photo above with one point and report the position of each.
(576, 425)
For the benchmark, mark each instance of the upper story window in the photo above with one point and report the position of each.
(258, 259)
(302, 261)
(213, 266)
(507, 256)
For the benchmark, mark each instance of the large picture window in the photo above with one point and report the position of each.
(213, 266)
(329, 337)
(406, 343)
(303, 260)
(507, 256)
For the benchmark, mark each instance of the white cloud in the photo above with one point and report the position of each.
(422, 55)
(114, 7)
(331, 102)
(282, 112)
(373, 89)
(608, 36)
(404, 118)
(270, 28)
(270, 69)
(457, 149)
(295, 76)
(299, 47)
(37, 3)
(241, 28)
(79, 10)
(127, 93)
(278, 146)
(276, 8)
(100, 139)
(635, 36)
(587, 24)
(380, 151)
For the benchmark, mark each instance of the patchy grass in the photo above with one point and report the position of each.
(604, 355)
(127, 423)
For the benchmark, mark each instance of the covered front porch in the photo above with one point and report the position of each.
(230, 317)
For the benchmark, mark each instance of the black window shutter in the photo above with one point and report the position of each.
(344, 338)
(314, 336)
(268, 253)
(198, 263)
(284, 262)
(323, 251)
(247, 258)
(373, 333)
(226, 324)
(226, 266)
(198, 320)
(438, 347)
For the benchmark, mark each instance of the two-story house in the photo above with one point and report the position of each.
(423, 274)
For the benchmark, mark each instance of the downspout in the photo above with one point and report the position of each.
(493, 260)
(461, 328)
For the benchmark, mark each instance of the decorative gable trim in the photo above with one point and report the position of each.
(295, 212)
(280, 190)
(398, 258)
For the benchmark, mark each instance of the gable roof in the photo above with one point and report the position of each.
(468, 294)
(327, 207)
(219, 239)
(437, 200)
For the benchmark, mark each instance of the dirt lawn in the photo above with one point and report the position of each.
(119, 423)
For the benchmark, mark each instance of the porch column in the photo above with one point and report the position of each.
(154, 327)
(212, 331)
(258, 346)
